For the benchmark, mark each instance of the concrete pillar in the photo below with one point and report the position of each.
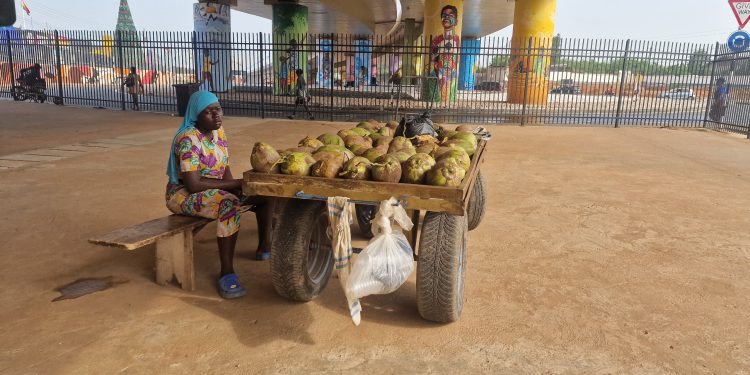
(532, 19)
(442, 29)
(289, 25)
(213, 26)
(410, 40)
(469, 52)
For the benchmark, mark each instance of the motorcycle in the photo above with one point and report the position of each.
(29, 91)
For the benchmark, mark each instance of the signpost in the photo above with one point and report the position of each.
(741, 9)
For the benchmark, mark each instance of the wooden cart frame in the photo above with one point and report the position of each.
(302, 260)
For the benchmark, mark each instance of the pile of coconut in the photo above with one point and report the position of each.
(371, 151)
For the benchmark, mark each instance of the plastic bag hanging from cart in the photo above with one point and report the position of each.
(340, 220)
(388, 260)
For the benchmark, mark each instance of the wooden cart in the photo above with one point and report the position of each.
(302, 260)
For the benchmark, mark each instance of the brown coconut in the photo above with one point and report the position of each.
(328, 168)
(264, 158)
(386, 169)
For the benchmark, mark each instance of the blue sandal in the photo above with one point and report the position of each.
(229, 287)
(262, 255)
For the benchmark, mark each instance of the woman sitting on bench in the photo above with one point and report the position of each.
(201, 184)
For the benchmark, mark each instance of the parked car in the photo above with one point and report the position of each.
(572, 89)
(489, 86)
(678, 93)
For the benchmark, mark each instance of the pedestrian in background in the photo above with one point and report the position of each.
(302, 97)
(135, 86)
(721, 100)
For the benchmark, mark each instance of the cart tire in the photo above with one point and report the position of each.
(365, 214)
(442, 267)
(18, 93)
(476, 209)
(301, 255)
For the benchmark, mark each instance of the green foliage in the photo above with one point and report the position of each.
(500, 60)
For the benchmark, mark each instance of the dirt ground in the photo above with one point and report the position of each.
(603, 251)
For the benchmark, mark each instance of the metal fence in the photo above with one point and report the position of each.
(591, 82)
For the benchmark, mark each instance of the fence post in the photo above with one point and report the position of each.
(332, 80)
(526, 83)
(711, 85)
(58, 66)
(122, 69)
(622, 83)
(10, 61)
(262, 79)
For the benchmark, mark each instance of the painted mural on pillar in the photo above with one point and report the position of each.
(445, 44)
(289, 37)
(324, 63)
(213, 59)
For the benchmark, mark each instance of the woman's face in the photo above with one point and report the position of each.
(210, 119)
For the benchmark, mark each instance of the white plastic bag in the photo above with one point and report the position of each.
(388, 260)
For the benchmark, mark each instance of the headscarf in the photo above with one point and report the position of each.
(198, 102)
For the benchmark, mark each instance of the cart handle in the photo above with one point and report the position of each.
(301, 195)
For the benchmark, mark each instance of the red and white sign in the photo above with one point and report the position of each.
(741, 10)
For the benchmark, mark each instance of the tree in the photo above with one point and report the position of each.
(698, 62)
(556, 48)
(500, 60)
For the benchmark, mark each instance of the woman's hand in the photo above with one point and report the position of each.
(196, 183)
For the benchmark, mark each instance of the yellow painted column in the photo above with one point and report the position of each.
(442, 31)
(529, 67)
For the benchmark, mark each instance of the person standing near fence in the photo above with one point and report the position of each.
(302, 97)
(721, 100)
(135, 86)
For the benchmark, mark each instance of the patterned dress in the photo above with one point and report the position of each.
(197, 152)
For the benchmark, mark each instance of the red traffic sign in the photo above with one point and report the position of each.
(741, 9)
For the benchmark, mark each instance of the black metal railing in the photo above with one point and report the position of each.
(563, 81)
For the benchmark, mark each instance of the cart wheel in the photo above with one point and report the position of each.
(365, 214)
(441, 267)
(475, 211)
(18, 93)
(302, 259)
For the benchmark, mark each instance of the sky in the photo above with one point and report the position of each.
(698, 21)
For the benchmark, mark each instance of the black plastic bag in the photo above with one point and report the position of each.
(411, 126)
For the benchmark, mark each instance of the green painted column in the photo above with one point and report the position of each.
(289, 26)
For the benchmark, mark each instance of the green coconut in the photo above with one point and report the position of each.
(382, 141)
(343, 133)
(335, 148)
(415, 168)
(310, 142)
(375, 152)
(370, 126)
(427, 147)
(466, 137)
(364, 132)
(386, 169)
(391, 124)
(441, 149)
(399, 143)
(356, 169)
(402, 156)
(264, 158)
(328, 168)
(331, 139)
(446, 172)
(465, 145)
(386, 131)
(460, 155)
(297, 163)
(352, 140)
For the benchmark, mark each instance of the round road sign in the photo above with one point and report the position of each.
(739, 41)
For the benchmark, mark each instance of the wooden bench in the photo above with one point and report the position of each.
(174, 245)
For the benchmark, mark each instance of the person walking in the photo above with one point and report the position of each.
(206, 74)
(721, 100)
(135, 87)
(302, 97)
